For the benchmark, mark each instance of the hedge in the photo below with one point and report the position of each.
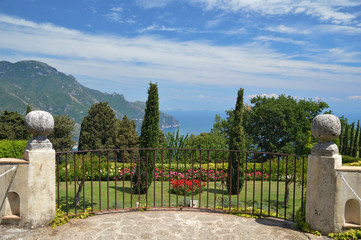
(348, 159)
(12, 149)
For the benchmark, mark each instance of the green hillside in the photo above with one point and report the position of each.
(44, 88)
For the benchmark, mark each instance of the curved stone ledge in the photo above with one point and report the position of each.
(349, 169)
(12, 161)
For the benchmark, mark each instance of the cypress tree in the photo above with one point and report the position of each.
(149, 137)
(98, 128)
(345, 139)
(28, 109)
(352, 139)
(356, 141)
(235, 176)
(126, 136)
(342, 135)
(359, 145)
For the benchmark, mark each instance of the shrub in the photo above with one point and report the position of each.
(348, 159)
(12, 149)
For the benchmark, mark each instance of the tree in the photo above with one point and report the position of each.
(205, 141)
(356, 142)
(12, 126)
(62, 135)
(28, 109)
(97, 132)
(342, 135)
(281, 124)
(175, 140)
(98, 128)
(223, 126)
(359, 144)
(235, 177)
(220, 126)
(149, 137)
(126, 136)
(352, 140)
(345, 139)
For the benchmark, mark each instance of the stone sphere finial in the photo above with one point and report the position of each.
(40, 124)
(325, 128)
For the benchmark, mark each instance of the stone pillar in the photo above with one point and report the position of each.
(321, 198)
(33, 187)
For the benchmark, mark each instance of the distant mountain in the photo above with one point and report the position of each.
(43, 87)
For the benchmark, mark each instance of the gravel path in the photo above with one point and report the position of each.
(162, 225)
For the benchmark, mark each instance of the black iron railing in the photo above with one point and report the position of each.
(126, 179)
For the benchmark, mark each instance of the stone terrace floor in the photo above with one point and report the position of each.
(155, 224)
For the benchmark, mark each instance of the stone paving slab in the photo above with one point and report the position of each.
(162, 225)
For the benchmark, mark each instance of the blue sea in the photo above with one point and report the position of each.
(197, 122)
(351, 117)
(194, 122)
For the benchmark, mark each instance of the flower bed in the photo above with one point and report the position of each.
(257, 176)
(202, 175)
(187, 187)
(199, 175)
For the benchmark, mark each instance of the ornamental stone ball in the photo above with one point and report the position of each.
(325, 128)
(40, 124)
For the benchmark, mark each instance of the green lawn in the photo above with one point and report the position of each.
(107, 195)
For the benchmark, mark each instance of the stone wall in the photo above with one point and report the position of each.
(27, 193)
(332, 200)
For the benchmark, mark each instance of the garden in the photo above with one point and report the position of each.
(102, 181)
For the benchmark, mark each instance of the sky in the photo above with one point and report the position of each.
(200, 52)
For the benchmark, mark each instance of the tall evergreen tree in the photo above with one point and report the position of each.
(62, 135)
(345, 139)
(28, 109)
(342, 135)
(356, 142)
(352, 139)
(98, 128)
(149, 138)
(359, 144)
(235, 177)
(126, 136)
(12, 126)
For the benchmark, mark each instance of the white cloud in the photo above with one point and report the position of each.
(214, 22)
(279, 39)
(354, 97)
(153, 3)
(326, 29)
(156, 27)
(272, 95)
(201, 96)
(235, 31)
(323, 29)
(113, 17)
(328, 11)
(286, 29)
(133, 60)
(116, 9)
(115, 14)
